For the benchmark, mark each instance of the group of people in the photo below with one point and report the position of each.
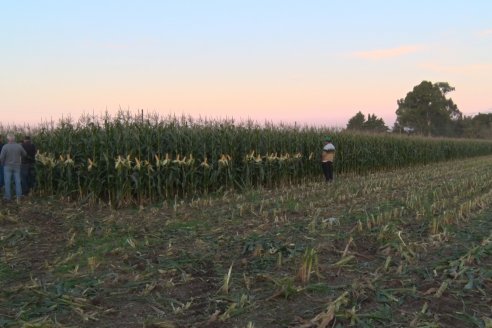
(17, 161)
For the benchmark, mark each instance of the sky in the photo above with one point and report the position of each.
(308, 62)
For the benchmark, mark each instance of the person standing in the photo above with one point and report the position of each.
(28, 173)
(1, 166)
(11, 158)
(327, 157)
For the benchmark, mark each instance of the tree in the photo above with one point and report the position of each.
(372, 124)
(356, 122)
(427, 110)
(375, 124)
(478, 126)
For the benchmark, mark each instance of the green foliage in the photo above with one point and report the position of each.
(372, 124)
(478, 126)
(427, 110)
(127, 160)
(375, 124)
(356, 122)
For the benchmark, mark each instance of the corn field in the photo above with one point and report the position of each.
(128, 159)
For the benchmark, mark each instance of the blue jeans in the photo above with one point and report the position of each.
(28, 178)
(1, 176)
(8, 171)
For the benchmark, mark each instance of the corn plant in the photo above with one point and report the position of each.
(129, 159)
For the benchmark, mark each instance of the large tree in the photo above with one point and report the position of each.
(427, 111)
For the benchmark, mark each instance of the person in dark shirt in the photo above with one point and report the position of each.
(1, 165)
(28, 173)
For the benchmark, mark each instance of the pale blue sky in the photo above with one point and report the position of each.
(314, 62)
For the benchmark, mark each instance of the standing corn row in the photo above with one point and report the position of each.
(129, 160)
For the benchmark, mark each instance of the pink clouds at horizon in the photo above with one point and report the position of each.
(387, 52)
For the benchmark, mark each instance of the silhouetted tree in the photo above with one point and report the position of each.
(356, 122)
(372, 124)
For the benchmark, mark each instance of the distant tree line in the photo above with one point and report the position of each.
(427, 111)
(371, 124)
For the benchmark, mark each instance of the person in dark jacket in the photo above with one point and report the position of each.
(1, 165)
(28, 173)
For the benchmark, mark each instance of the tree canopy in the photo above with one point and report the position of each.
(356, 122)
(427, 111)
(372, 124)
(478, 126)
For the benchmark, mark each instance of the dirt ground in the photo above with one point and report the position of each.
(268, 258)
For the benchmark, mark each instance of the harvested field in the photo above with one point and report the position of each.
(403, 248)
